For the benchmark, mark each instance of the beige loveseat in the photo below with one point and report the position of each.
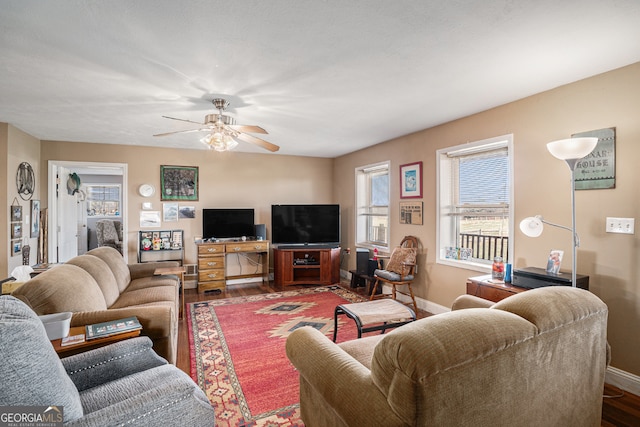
(99, 286)
(534, 359)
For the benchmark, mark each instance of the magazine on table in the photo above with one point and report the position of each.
(105, 329)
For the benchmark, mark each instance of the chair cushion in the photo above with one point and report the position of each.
(391, 276)
(31, 371)
(401, 256)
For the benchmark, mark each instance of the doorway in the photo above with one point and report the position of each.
(68, 224)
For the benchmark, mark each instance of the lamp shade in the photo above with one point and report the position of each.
(532, 226)
(572, 148)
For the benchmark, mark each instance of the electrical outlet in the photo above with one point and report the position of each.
(620, 225)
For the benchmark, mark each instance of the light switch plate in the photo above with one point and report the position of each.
(620, 225)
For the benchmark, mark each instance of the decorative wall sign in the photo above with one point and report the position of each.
(598, 169)
(411, 181)
(179, 183)
(411, 213)
(25, 181)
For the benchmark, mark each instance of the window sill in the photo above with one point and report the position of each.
(467, 265)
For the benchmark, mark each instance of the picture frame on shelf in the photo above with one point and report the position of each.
(411, 181)
(178, 183)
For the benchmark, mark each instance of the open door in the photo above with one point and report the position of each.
(67, 222)
(67, 213)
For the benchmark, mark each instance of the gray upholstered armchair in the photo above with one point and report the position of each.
(125, 383)
(109, 233)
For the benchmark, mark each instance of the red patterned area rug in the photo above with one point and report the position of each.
(238, 354)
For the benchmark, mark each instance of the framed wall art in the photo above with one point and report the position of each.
(169, 212)
(411, 181)
(598, 169)
(16, 213)
(16, 231)
(178, 183)
(35, 218)
(411, 213)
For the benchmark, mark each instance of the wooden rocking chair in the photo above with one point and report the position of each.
(400, 270)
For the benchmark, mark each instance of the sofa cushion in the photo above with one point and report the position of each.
(31, 371)
(64, 287)
(147, 296)
(116, 263)
(102, 274)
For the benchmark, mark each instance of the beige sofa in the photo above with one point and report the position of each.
(534, 359)
(99, 286)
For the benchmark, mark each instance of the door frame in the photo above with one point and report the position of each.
(94, 168)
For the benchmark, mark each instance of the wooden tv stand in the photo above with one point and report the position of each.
(306, 266)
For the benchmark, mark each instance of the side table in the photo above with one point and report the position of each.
(179, 271)
(89, 344)
(484, 287)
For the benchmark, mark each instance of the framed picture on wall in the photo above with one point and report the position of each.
(411, 181)
(16, 231)
(35, 218)
(179, 183)
(16, 213)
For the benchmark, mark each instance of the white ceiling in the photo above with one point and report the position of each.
(325, 78)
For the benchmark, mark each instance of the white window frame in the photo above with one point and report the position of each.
(445, 228)
(363, 190)
(88, 199)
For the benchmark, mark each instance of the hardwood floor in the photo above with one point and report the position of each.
(619, 408)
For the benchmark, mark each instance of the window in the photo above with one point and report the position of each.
(103, 200)
(372, 201)
(475, 212)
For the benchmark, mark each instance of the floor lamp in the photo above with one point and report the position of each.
(570, 150)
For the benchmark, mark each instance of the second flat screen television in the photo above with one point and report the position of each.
(305, 224)
(227, 223)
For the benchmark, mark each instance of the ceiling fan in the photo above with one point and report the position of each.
(223, 130)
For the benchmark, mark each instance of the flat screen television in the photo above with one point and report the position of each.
(305, 225)
(227, 223)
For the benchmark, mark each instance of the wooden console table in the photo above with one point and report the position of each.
(212, 264)
(483, 287)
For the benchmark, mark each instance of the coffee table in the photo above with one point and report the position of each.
(179, 271)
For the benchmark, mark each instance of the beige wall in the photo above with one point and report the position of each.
(227, 180)
(17, 147)
(542, 186)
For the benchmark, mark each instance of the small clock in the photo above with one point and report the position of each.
(146, 190)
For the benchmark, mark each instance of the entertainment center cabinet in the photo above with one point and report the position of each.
(212, 264)
(306, 266)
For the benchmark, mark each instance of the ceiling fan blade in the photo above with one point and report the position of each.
(182, 120)
(257, 141)
(247, 128)
(182, 131)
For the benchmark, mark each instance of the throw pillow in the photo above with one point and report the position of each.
(401, 256)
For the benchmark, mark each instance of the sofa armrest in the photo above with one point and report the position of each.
(153, 318)
(109, 363)
(168, 405)
(343, 383)
(470, 301)
(146, 269)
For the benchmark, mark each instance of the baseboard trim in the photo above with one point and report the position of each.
(623, 380)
